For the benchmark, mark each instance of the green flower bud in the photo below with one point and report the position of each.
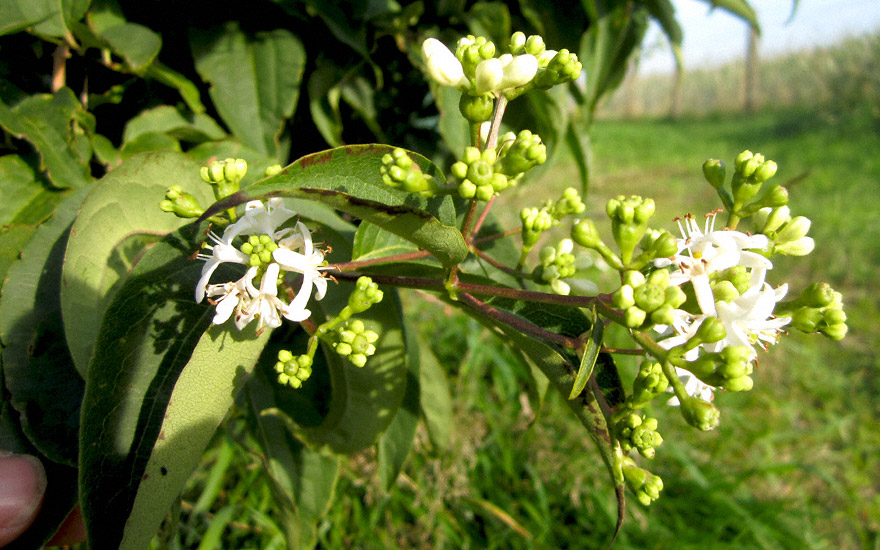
(674, 296)
(742, 158)
(623, 297)
(743, 383)
(459, 170)
(715, 172)
(806, 319)
(664, 315)
(484, 192)
(835, 332)
(649, 297)
(535, 45)
(710, 330)
(634, 317)
(633, 278)
(818, 295)
(366, 293)
(476, 109)
(467, 189)
(700, 414)
(724, 291)
(273, 170)
(795, 229)
(517, 43)
(765, 171)
(584, 233)
(800, 247)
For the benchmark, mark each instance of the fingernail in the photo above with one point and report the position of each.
(22, 486)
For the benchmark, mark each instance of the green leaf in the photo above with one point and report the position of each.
(371, 242)
(47, 122)
(39, 372)
(158, 386)
(169, 120)
(588, 359)
(663, 11)
(324, 96)
(394, 445)
(20, 188)
(348, 179)
(741, 9)
(149, 142)
(435, 401)
(117, 220)
(13, 239)
(136, 44)
(48, 18)
(452, 126)
(254, 82)
(492, 20)
(206, 388)
(188, 91)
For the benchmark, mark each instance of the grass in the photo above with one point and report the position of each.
(794, 463)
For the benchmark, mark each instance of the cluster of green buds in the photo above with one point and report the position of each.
(645, 485)
(557, 263)
(646, 301)
(649, 382)
(400, 172)
(354, 342)
(519, 153)
(788, 234)
(292, 369)
(636, 431)
(477, 178)
(730, 368)
(259, 250)
(553, 67)
(818, 309)
(743, 196)
(482, 75)
(699, 413)
(629, 227)
(224, 176)
(180, 203)
(535, 221)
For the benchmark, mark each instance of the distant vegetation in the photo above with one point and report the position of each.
(843, 78)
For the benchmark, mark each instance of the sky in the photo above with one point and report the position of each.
(715, 37)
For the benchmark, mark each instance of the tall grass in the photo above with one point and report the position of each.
(836, 80)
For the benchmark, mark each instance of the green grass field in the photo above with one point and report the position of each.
(795, 463)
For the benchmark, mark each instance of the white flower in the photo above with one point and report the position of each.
(709, 251)
(442, 64)
(259, 219)
(749, 320)
(519, 70)
(295, 253)
(221, 252)
(235, 296)
(308, 263)
(264, 302)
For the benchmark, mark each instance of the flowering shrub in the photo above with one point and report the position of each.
(280, 289)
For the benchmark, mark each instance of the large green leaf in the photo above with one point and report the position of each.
(169, 120)
(158, 386)
(435, 400)
(137, 44)
(118, 219)
(348, 179)
(254, 82)
(48, 122)
(743, 10)
(39, 373)
(48, 18)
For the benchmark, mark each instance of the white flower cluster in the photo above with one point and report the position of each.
(495, 74)
(748, 318)
(285, 250)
